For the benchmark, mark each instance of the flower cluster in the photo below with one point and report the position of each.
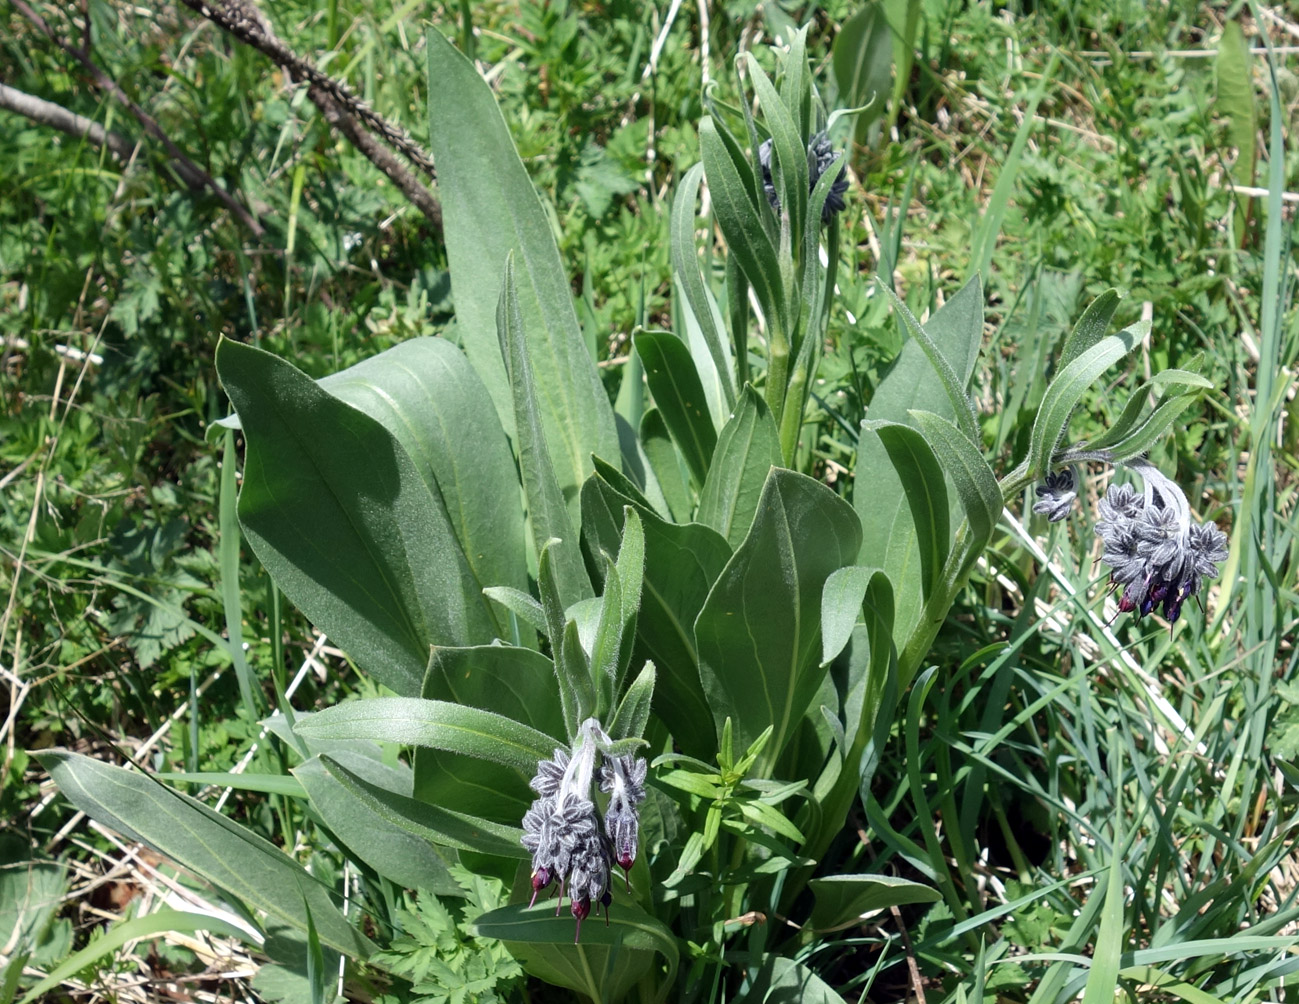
(1157, 555)
(820, 155)
(563, 828)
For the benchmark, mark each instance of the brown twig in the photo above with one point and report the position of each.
(55, 116)
(248, 25)
(189, 171)
(378, 155)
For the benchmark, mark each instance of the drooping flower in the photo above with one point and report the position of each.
(1155, 552)
(623, 780)
(562, 828)
(820, 155)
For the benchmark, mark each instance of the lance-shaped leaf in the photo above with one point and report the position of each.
(679, 395)
(863, 62)
(789, 160)
(1091, 327)
(665, 462)
(213, 847)
(912, 382)
(741, 224)
(632, 716)
(427, 823)
(441, 725)
(1065, 391)
(952, 383)
(616, 632)
(976, 485)
(842, 899)
(784, 980)
(607, 961)
(490, 208)
(546, 506)
(404, 857)
(747, 449)
(905, 516)
(759, 631)
(337, 512)
(427, 395)
(685, 263)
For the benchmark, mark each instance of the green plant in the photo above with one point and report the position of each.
(734, 582)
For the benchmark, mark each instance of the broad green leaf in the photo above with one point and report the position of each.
(148, 926)
(912, 382)
(842, 899)
(905, 516)
(396, 810)
(403, 857)
(863, 64)
(607, 960)
(679, 396)
(276, 784)
(1064, 392)
(31, 894)
(685, 263)
(490, 208)
(747, 449)
(741, 224)
(518, 683)
(1235, 99)
(904, 18)
(784, 981)
(441, 725)
(949, 379)
(213, 847)
(682, 561)
(1091, 327)
(547, 509)
(665, 461)
(759, 631)
(976, 485)
(841, 600)
(336, 511)
(427, 395)
(515, 682)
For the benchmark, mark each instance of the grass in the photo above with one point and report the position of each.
(1097, 802)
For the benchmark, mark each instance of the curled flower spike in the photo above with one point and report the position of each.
(820, 155)
(623, 780)
(1156, 554)
(1055, 497)
(562, 829)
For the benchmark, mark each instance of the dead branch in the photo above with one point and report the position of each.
(247, 24)
(186, 167)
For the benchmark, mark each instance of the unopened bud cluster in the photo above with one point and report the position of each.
(1158, 556)
(570, 841)
(820, 155)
